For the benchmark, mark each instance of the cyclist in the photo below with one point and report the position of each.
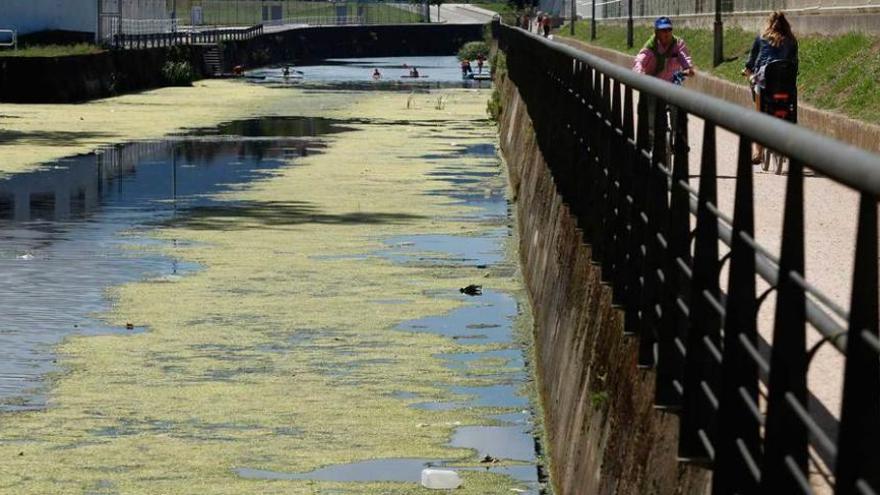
(777, 42)
(664, 54)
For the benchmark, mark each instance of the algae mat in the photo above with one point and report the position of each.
(281, 354)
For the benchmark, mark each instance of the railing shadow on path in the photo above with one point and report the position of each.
(745, 406)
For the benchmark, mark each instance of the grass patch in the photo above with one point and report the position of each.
(53, 50)
(837, 73)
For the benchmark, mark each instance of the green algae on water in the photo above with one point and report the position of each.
(276, 355)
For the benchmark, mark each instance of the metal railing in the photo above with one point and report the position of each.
(196, 37)
(318, 20)
(12, 39)
(745, 407)
(617, 9)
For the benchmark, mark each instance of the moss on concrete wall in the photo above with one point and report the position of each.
(603, 432)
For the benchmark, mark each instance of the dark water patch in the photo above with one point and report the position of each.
(77, 226)
(495, 309)
(406, 470)
(438, 406)
(357, 74)
(480, 149)
(387, 470)
(481, 250)
(514, 443)
(519, 418)
(492, 396)
(512, 358)
(244, 215)
(275, 127)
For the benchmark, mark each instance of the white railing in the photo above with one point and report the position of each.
(317, 20)
(11, 41)
(148, 26)
(142, 26)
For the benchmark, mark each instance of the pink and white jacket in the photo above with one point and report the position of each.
(678, 57)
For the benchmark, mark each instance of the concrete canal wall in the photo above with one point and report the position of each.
(84, 77)
(604, 436)
(316, 43)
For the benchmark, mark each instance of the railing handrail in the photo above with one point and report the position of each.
(13, 42)
(847, 164)
(217, 34)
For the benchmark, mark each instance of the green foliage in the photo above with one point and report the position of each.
(178, 53)
(470, 50)
(53, 50)
(599, 399)
(498, 64)
(178, 73)
(837, 73)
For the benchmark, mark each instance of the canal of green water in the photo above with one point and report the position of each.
(94, 249)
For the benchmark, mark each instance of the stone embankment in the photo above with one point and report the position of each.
(603, 433)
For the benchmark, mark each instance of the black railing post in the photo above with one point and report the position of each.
(785, 437)
(626, 267)
(670, 362)
(738, 442)
(700, 375)
(858, 453)
(640, 167)
(654, 209)
(615, 233)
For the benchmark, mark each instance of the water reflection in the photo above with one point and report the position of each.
(66, 233)
(357, 74)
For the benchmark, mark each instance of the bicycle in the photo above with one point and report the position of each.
(779, 99)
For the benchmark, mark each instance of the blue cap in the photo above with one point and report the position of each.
(663, 23)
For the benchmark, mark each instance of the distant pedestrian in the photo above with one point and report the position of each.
(376, 74)
(466, 70)
(545, 25)
(480, 60)
(526, 24)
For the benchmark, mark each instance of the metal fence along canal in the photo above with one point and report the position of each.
(745, 405)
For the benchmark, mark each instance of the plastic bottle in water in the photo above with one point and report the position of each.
(440, 479)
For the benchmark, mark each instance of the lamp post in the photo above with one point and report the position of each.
(573, 16)
(593, 21)
(718, 55)
(629, 24)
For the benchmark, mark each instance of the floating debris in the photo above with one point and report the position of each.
(472, 290)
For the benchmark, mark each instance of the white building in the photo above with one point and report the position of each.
(84, 16)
